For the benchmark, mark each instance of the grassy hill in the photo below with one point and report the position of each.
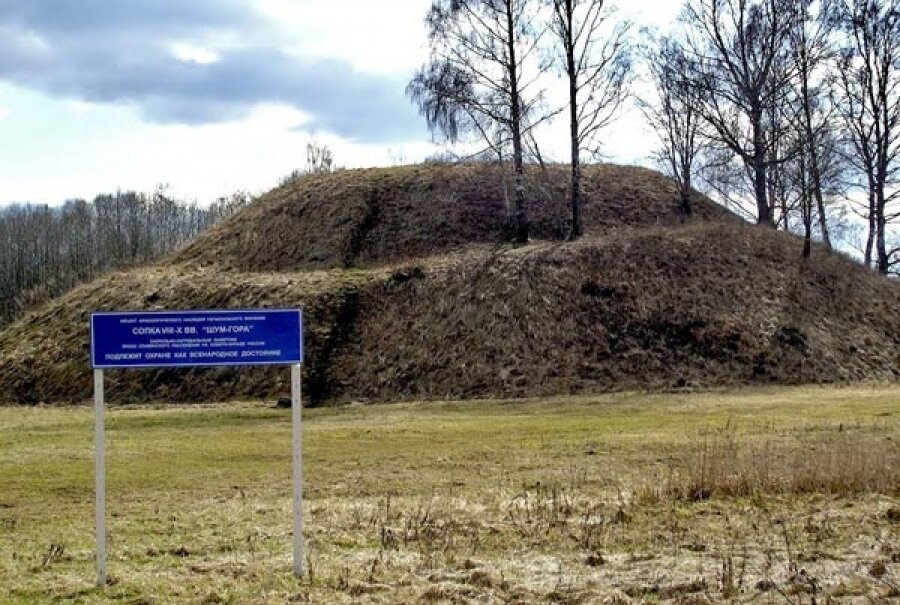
(409, 292)
(364, 218)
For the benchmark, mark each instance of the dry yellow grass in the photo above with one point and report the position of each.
(542, 501)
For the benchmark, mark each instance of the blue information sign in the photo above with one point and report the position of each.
(161, 339)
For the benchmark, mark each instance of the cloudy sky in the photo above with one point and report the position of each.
(212, 96)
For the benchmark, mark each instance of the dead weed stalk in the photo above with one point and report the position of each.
(727, 464)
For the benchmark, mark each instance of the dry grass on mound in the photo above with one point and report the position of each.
(45, 356)
(422, 302)
(695, 306)
(374, 216)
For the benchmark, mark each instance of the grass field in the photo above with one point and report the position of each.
(763, 496)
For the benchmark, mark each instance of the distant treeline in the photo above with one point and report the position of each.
(47, 250)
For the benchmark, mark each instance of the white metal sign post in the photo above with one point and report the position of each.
(191, 339)
(100, 476)
(297, 446)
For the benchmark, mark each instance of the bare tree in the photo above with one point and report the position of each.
(319, 158)
(803, 176)
(477, 81)
(597, 64)
(812, 49)
(737, 50)
(868, 77)
(783, 144)
(675, 116)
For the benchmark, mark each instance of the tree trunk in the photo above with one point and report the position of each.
(685, 182)
(572, 71)
(760, 187)
(807, 224)
(814, 171)
(806, 204)
(686, 200)
(577, 224)
(760, 182)
(816, 176)
(820, 207)
(881, 227)
(870, 240)
(520, 233)
(784, 212)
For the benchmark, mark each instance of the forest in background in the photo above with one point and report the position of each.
(46, 250)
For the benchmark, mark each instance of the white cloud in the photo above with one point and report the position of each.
(190, 53)
(79, 106)
(199, 162)
(376, 37)
(4, 113)
(102, 145)
(654, 13)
